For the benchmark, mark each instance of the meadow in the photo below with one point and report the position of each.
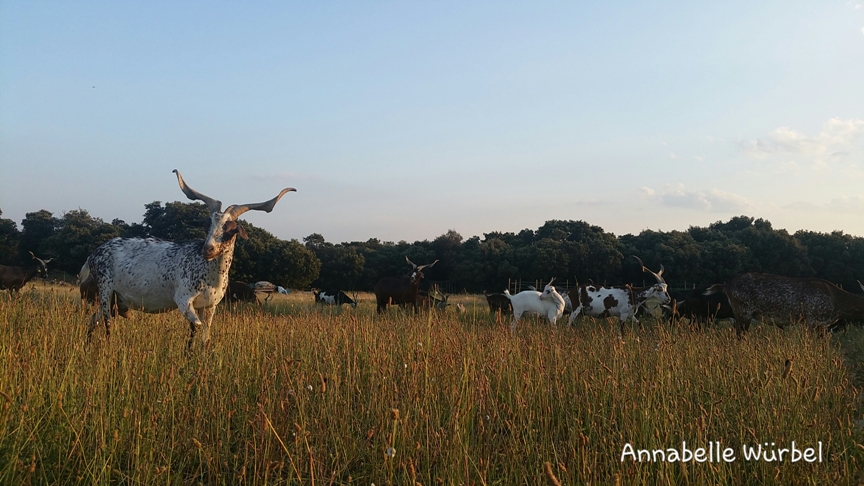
(287, 393)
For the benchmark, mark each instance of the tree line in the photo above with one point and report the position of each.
(567, 250)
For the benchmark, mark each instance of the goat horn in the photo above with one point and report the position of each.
(43, 262)
(859, 283)
(214, 205)
(647, 270)
(550, 282)
(414, 265)
(237, 210)
(421, 267)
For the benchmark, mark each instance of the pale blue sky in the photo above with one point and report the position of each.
(401, 120)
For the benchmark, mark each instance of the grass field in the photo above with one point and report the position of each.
(287, 393)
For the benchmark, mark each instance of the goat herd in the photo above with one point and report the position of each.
(155, 276)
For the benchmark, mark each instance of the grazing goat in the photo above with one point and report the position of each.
(240, 292)
(498, 302)
(401, 291)
(155, 276)
(432, 300)
(13, 278)
(268, 288)
(548, 303)
(620, 301)
(333, 297)
(817, 302)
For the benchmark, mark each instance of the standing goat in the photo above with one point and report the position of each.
(548, 303)
(156, 276)
(239, 291)
(13, 278)
(817, 302)
(620, 301)
(401, 291)
(333, 297)
(498, 303)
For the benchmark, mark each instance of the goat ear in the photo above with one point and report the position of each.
(242, 232)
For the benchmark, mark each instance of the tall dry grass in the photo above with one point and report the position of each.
(292, 394)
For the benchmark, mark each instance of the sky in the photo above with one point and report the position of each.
(403, 120)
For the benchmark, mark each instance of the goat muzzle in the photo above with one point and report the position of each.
(210, 252)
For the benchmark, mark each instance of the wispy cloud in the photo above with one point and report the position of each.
(710, 200)
(786, 151)
(842, 204)
(835, 139)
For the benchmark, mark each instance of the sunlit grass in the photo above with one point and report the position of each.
(292, 393)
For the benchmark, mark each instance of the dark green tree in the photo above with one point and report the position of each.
(76, 236)
(265, 257)
(341, 265)
(38, 227)
(177, 221)
(9, 237)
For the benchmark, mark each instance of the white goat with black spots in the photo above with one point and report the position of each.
(156, 276)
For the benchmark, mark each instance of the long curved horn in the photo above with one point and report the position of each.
(236, 210)
(550, 282)
(413, 265)
(43, 262)
(428, 265)
(214, 205)
(862, 285)
(647, 270)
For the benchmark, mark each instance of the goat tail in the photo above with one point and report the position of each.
(85, 271)
(507, 293)
(715, 289)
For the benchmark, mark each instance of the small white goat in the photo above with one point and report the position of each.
(548, 304)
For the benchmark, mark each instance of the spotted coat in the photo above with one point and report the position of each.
(783, 300)
(620, 301)
(156, 276)
(333, 297)
(153, 275)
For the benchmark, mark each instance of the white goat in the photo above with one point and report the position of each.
(548, 304)
(156, 276)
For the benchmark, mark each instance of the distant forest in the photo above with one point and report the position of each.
(566, 250)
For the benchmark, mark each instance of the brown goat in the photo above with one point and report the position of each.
(498, 302)
(13, 278)
(401, 291)
(239, 292)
